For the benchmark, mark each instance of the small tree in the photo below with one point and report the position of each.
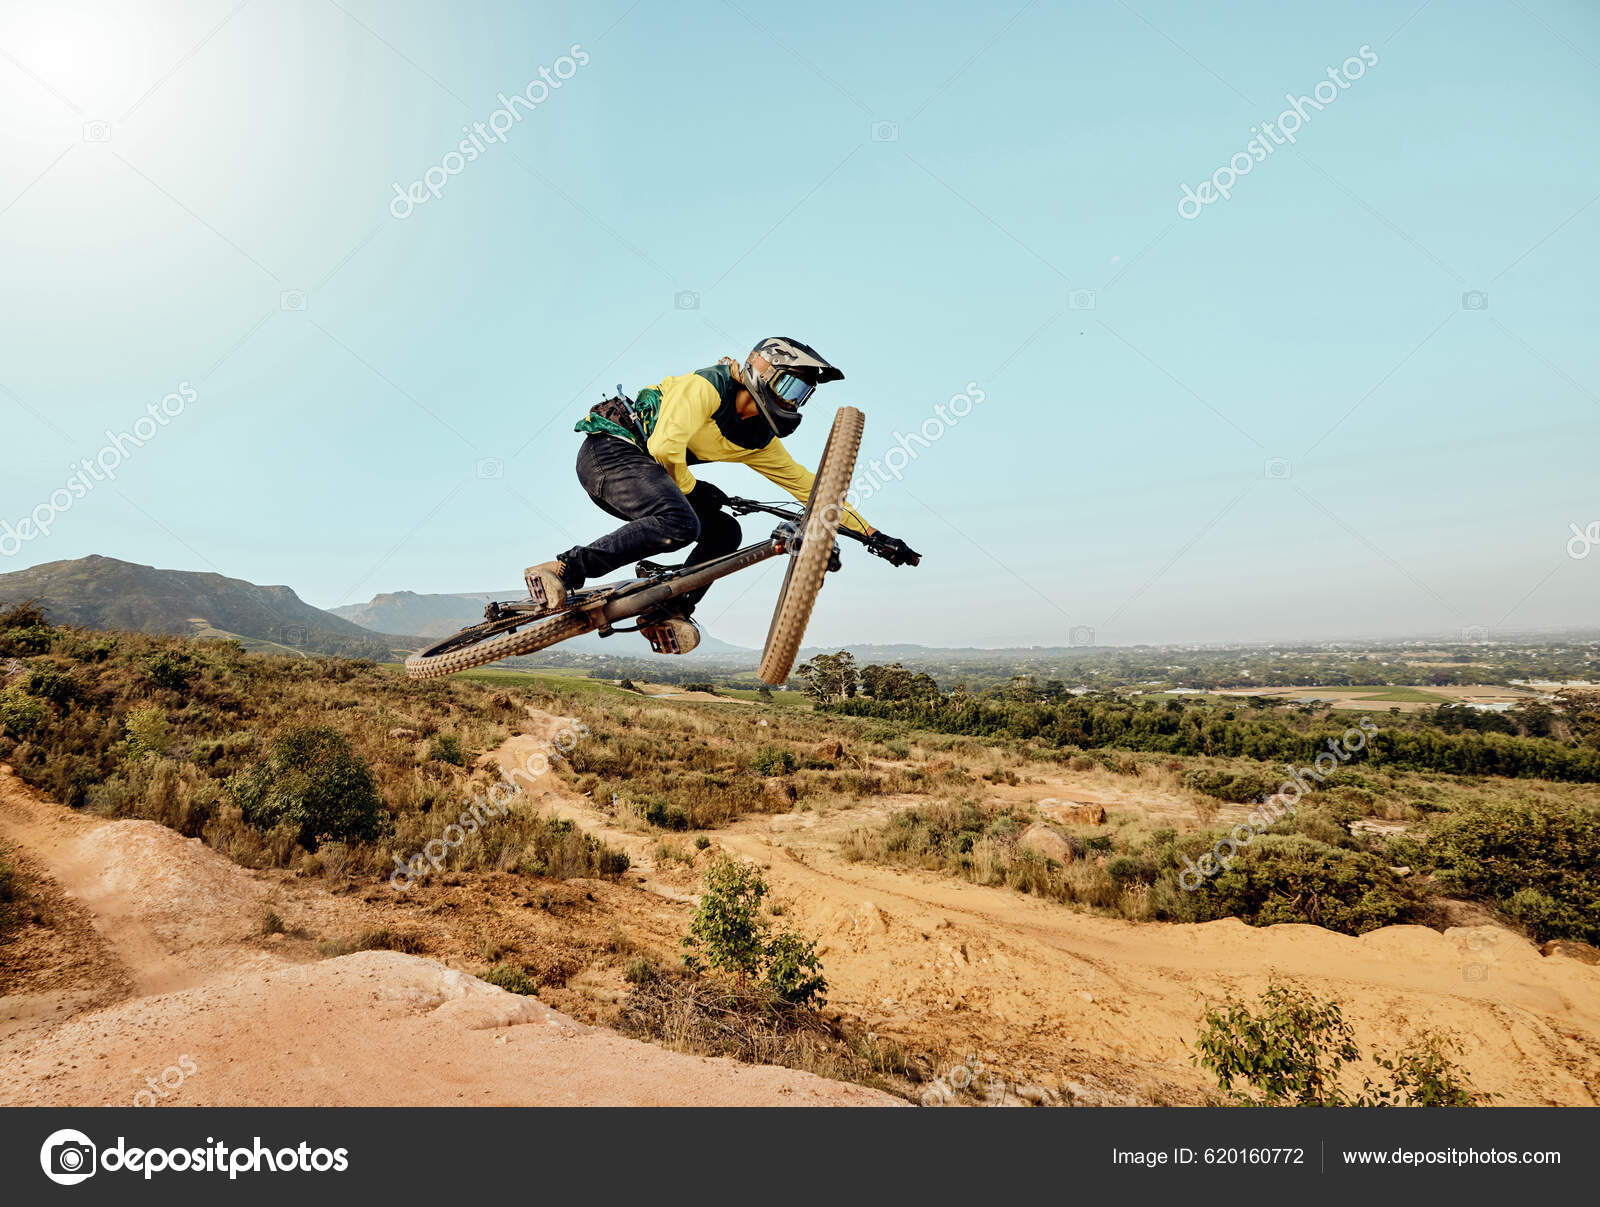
(728, 927)
(312, 780)
(728, 933)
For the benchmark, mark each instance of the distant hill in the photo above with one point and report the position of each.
(440, 615)
(104, 593)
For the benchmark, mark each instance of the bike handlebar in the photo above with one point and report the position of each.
(785, 511)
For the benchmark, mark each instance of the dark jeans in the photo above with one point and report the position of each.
(629, 484)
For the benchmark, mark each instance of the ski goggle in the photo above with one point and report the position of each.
(790, 387)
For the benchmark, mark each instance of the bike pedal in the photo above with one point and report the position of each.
(662, 640)
(649, 569)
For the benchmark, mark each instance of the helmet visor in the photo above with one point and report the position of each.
(792, 388)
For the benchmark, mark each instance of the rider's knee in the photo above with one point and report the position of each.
(681, 527)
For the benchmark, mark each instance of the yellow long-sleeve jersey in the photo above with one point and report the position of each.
(691, 418)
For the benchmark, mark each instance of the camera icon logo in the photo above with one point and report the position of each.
(885, 131)
(1277, 467)
(67, 1157)
(1475, 972)
(97, 131)
(491, 467)
(295, 635)
(686, 299)
(292, 299)
(1081, 634)
(1475, 633)
(1475, 299)
(1081, 299)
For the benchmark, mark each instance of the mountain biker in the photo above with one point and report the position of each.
(634, 463)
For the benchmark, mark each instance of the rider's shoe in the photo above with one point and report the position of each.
(547, 584)
(670, 632)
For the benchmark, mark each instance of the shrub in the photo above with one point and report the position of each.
(165, 669)
(667, 816)
(446, 748)
(20, 713)
(728, 933)
(773, 760)
(312, 781)
(148, 732)
(1292, 1051)
(511, 978)
(727, 927)
(794, 971)
(1291, 878)
(1536, 861)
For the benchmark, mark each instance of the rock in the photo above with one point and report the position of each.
(1401, 872)
(869, 920)
(1572, 949)
(1047, 842)
(402, 732)
(1065, 813)
(830, 751)
(779, 792)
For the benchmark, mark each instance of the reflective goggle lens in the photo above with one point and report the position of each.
(791, 388)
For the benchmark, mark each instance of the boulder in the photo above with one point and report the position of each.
(779, 792)
(1047, 842)
(830, 751)
(1572, 949)
(1066, 813)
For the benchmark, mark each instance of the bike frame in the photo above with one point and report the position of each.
(613, 603)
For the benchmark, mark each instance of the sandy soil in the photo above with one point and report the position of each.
(147, 962)
(1107, 1010)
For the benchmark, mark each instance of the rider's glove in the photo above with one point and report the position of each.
(894, 551)
(707, 496)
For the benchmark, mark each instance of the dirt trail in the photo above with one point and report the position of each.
(1109, 1008)
(167, 931)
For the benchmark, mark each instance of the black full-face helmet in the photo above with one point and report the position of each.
(796, 371)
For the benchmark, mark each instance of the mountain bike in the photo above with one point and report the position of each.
(806, 535)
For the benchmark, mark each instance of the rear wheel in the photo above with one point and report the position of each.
(460, 653)
(803, 579)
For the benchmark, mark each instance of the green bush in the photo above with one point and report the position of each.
(165, 669)
(1291, 878)
(313, 781)
(512, 979)
(665, 815)
(446, 748)
(20, 713)
(1290, 1053)
(773, 760)
(728, 933)
(794, 971)
(1536, 861)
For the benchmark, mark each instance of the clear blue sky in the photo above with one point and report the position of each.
(1278, 419)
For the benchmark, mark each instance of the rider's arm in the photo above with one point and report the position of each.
(687, 403)
(776, 465)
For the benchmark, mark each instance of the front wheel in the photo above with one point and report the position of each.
(819, 526)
